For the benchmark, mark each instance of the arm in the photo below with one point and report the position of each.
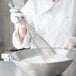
(22, 33)
(21, 37)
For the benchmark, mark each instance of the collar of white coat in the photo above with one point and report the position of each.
(44, 5)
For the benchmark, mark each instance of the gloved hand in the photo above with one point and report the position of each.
(71, 44)
(15, 16)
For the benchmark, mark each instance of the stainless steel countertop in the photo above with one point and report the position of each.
(7, 68)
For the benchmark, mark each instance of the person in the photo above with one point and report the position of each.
(53, 20)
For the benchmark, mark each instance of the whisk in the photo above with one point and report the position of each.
(44, 49)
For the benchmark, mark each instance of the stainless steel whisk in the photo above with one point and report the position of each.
(44, 49)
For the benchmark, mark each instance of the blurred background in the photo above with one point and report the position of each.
(6, 30)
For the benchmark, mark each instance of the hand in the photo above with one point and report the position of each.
(72, 43)
(15, 16)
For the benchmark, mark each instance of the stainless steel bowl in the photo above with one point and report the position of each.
(40, 69)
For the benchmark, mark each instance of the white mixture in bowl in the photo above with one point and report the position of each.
(39, 59)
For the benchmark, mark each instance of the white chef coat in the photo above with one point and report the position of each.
(52, 21)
